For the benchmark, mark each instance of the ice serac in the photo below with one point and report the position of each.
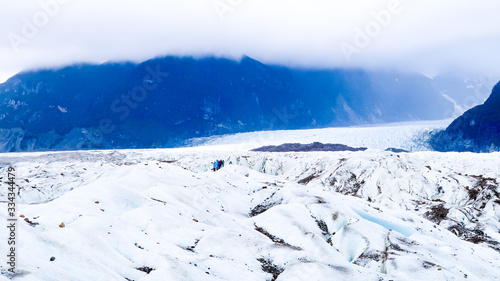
(477, 130)
(165, 101)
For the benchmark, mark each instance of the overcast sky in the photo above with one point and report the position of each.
(429, 36)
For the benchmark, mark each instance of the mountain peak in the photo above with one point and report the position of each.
(477, 130)
(495, 95)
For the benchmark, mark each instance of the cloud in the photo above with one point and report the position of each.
(415, 35)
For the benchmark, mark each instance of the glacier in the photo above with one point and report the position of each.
(162, 214)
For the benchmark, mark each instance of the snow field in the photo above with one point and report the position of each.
(410, 136)
(268, 216)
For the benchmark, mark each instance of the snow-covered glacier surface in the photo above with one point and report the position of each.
(410, 136)
(164, 215)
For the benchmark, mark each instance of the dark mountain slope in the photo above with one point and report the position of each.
(164, 101)
(477, 130)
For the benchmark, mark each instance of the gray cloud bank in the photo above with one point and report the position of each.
(415, 35)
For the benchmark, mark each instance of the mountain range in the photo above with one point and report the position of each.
(164, 101)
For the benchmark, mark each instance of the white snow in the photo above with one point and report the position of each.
(409, 136)
(310, 216)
